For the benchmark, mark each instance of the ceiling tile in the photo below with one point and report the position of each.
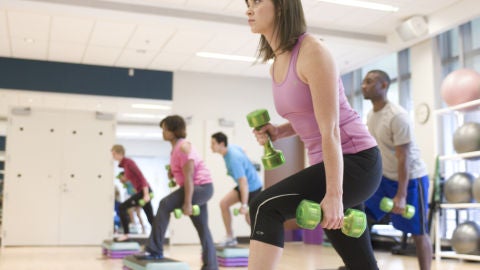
(97, 55)
(187, 42)
(74, 30)
(3, 23)
(35, 50)
(324, 14)
(169, 61)
(5, 47)
(4, 37)
(66, 52)
(207, 5)
(227, 43)
(29, 25)
(110, 34)
(150, 38)
(135, 58)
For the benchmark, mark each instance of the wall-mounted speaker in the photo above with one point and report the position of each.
(415, 27)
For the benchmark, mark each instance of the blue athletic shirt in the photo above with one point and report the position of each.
(239, 165)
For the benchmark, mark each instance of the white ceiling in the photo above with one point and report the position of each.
(166, 34)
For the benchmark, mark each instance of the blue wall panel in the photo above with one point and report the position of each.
(84, 79)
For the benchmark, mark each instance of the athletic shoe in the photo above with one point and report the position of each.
(228, 242)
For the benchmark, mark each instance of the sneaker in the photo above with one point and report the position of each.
(228, 242)
(147, 256)
(122, 238)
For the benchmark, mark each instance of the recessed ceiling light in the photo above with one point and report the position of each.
(363, 4)
(29, 40)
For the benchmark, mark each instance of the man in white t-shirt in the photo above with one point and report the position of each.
(405, 178)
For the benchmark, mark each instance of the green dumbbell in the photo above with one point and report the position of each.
(386, 205)
(142, 202)
(272, 157)
(171, 183)
(309, 215)
(178, 211)
(236, 211)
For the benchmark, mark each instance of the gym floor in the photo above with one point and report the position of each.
(295, 256)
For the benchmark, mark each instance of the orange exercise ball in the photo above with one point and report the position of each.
(461, 86)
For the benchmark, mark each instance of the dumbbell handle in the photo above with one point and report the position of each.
(386, 205)
(142, 202)
(309, 215)
(171, 183)
(178, 211)
(236, 211)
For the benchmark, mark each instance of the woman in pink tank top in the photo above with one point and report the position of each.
(196, 188)
(345, 162)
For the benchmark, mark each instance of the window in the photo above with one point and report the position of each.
(397, 66)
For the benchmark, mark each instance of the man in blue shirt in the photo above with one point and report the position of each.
(243, 172)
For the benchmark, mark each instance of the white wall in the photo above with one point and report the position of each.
(425, 88)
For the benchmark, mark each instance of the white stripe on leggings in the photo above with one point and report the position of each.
(258, 209)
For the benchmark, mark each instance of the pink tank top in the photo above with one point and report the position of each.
(293, 102)
(178, 159)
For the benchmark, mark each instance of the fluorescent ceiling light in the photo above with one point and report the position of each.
(150, 106)
(142, 116)
(153, 135)
(363, 4)
(226, 56)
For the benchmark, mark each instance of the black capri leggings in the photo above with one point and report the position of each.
(278, 203)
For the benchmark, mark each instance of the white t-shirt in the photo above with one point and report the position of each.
(391, 127)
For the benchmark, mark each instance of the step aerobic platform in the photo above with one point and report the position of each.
(118, 250)
(132, 263)
(228, 252)
(232, 256)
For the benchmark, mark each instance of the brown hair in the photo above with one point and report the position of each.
(175, 124)
(290, 24)
(118, 148)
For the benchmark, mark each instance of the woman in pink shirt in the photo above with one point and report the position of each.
(195, 182)
(346, 166)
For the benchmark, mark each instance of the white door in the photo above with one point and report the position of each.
(31, 205)
(87, 194)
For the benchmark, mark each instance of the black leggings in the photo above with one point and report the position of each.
(133, 202)
(278, 203)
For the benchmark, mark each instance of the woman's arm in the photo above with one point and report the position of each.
(188, 171)
(316, 67)
(274, 132)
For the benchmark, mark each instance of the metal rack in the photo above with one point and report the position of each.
(458, 112)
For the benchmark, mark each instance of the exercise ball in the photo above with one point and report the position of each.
(466, 238)
(458, 188)
(461, 86)
(476, 189)
(467, 138)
